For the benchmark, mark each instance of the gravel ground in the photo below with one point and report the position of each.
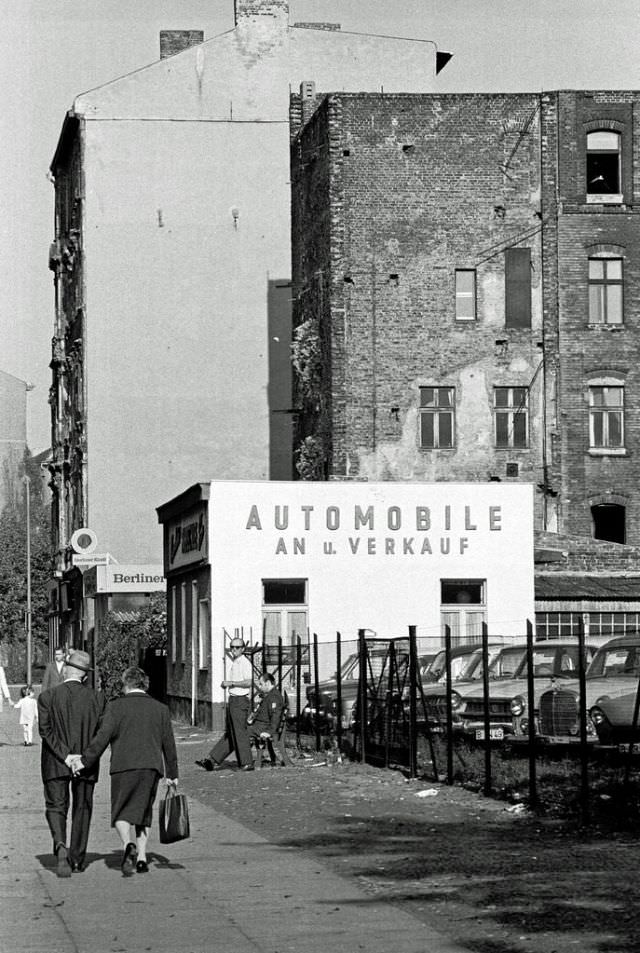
(495, 881)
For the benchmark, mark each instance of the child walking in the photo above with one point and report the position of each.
(28, 713)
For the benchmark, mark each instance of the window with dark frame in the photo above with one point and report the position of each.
(511, 417)
(437, 418)
(604, 167)
(465, 294)
(606, 417)
(605, 290)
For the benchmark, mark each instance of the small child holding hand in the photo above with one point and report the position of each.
(28, 713)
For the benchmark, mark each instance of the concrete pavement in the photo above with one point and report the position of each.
(225, 889)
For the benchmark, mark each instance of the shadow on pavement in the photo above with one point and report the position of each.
(525, 877)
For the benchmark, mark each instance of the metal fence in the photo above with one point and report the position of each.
(402, 702)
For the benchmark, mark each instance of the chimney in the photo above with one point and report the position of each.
(252, 8)
(175, 41)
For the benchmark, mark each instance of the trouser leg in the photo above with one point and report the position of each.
(222, 749)
(81, 811)
(56, 808)
(239, 708)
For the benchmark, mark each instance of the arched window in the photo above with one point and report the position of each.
(608, 521)
(604, 172)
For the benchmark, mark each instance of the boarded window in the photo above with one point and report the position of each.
(517, 266)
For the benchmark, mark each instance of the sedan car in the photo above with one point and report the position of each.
(324, 708)
(553, 659)
(466, 670)
(612, 674)
(613, 720)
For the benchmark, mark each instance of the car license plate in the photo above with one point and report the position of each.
(495, 734)
(625, 748)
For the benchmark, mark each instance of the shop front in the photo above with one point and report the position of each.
(275, 562)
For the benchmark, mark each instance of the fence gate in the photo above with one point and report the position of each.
(388, 690)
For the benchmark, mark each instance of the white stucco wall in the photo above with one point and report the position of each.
(366, 574)
(176, 296)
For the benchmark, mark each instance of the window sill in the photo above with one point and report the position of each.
(607, 451)
(605, 326)
(607, 198)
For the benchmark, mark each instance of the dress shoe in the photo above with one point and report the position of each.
(63, 868)
(128, 862)
(142, 867)
(77, 868)
(247, 767)
(207, 764)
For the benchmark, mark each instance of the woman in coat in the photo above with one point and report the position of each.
(143, 749)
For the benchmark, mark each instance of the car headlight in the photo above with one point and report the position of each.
(456, 701)
(518, 705)
(597, 716)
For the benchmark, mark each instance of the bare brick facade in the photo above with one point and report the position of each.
(467, 301)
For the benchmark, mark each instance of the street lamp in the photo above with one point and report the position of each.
(27, 493)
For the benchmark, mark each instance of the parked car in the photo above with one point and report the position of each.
(466, 669)
(508, 693)
(324, 711)
(613, 721)
(613, 672)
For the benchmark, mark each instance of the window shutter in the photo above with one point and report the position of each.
(517, 268)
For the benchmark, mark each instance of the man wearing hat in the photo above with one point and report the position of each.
(68, 716)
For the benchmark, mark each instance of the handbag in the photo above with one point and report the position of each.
(173, 816)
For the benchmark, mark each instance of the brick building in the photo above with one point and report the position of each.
(466, 274)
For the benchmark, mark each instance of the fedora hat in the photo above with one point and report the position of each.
(80, 660)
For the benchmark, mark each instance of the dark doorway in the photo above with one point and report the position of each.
(609, 522)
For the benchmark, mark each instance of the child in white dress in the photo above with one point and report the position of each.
(28, 713)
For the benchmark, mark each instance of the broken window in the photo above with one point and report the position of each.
(511, 416)
(437, 417)
(609, 522)
(605, 290)
(465, 294)
(604, 150)
(606, 417)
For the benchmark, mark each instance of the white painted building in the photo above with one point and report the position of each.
(289, 559)
(172, 262)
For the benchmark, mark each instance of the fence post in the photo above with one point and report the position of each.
(449, 709)
(339, 689)
(413, 688)
(391, 677)
(487, 720)
(361, 721)
(584, 748)
(298, 687)
(316, 685)
(533, 789)
(280, 664)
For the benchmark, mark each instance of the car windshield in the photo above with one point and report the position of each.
(506, 663)
(459, 665)
(614, 662)
(559, 661)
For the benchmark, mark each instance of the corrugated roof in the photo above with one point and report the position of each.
(585, 586)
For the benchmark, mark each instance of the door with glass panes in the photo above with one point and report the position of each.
(285, 616)
(463, 608)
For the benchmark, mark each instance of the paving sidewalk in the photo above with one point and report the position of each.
(225, 889)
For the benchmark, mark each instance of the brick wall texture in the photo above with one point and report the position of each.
(392, 194)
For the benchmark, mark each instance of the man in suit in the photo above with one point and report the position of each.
(68, 717)
(54, 672)
(143, 749)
